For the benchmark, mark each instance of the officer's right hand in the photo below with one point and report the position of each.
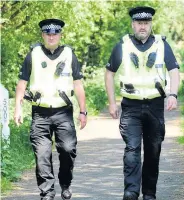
(18, 117)
(113, 110)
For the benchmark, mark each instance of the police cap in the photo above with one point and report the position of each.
(51, 25)
(142, 13)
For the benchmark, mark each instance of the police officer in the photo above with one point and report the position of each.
(141, 59)
(54, 75)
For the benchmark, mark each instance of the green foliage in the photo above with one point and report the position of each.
(182, 110)
(181, 58)
(181, 140)
(95, 93)
(90, 72)
(92, 28)
(96, 98)
(181, 91)
(181, 95)
(16, 156)
(26, 109)
(6, 185)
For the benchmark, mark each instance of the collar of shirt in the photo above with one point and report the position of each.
(53, 55)
(142, 46)
(48, 52)
(139, 42)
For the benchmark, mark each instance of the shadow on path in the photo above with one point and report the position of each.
(98, 173)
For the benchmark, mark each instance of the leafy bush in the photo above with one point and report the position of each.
(90, 72)
(181, 58)
(181, 90)
(181, 95)
(26, 109)
(96, 98)
(18, 155)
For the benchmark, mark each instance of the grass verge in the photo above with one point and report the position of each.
(181, 94)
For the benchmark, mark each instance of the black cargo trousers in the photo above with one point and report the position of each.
(142, 120)
(45, 121)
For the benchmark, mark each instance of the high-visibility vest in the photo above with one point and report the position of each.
(45, 80)
(141, 79)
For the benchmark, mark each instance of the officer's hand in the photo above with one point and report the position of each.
(171, 103)
(18, 117)
(83, 120)
(113, 110)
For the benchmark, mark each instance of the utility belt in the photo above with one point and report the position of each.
(158, 101)
(129, 90)
(55, 102)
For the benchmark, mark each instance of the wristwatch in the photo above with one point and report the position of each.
(84, 113)
(174, 95)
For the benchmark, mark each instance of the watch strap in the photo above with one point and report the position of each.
(173, 95)
(84, 113)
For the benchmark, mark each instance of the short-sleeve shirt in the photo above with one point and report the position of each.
(25, 71)
(115, 59)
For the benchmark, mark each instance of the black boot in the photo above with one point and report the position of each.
(66, 192)
(130, 196)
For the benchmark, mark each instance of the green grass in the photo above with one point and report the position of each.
(6, 185)
(96, 97)
(181, 140)
(181, 98)
(16, 156)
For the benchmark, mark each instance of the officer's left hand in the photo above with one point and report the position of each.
(171, 103)
(83, 120)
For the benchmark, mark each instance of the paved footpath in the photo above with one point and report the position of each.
(98, 172)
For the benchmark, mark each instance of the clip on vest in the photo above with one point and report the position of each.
(59, 68)
(65, 98)
(160, 89)
(134, 58)
(36, 96)
(151, 59)
(30, 97)
(129, 88)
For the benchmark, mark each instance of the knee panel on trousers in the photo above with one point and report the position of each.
(66, 148)
(132, 157)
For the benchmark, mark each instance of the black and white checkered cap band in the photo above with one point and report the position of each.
(51, 27)
(142, 15)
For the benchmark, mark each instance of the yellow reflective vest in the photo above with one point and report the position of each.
(138, 82)
(44, 80)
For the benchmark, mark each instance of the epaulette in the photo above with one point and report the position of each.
(159, 37)
(163, 37)
(121, 40)
(32, 46)
(66, 45)
(126, 37)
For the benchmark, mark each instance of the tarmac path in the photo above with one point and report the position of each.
(98, 172)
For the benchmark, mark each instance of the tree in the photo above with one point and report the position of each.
(92, 29)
